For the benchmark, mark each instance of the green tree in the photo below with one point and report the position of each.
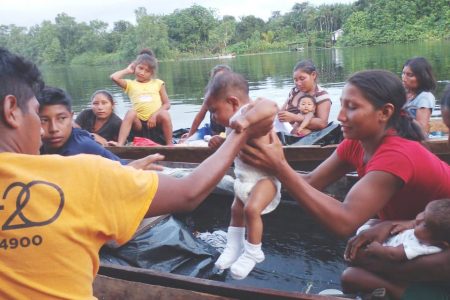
(68, 34)
(122, 40)
(248, 26)
(17, 38)
(151, 32)
(189, 28)
(221, 35)
(53, 53)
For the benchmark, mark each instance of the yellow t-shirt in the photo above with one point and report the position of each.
(144, 96)
(56, 213)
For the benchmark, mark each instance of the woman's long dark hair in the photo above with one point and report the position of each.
(421, 68)
(381, 87)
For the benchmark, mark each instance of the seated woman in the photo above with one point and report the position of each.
(381, 144)
(59, 136)
(100, 119)
(419, 81)
(305, 79)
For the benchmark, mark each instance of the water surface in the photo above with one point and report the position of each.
(269, 75)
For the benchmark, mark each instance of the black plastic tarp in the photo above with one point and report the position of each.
(170, 247)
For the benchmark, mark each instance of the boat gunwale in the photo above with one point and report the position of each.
(200, 285)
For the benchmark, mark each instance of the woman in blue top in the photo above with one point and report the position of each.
(419, 81)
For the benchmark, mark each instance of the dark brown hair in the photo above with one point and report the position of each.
(439, 219)
(423, 72)
(18, 77)
(381, 87)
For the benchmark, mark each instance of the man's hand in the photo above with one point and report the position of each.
(260, 128)
(239, 123)
(147, 163)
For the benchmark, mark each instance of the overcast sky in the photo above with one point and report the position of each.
(31, 12)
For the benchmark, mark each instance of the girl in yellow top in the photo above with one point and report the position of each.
(148, 96)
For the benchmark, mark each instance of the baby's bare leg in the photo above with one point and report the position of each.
(237, 213)
(261, 195)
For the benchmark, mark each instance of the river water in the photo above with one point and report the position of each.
(269, 75)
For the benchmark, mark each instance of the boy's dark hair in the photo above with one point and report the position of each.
(54, 96)
(18, 77)
(225, 81)
(381, 87)
(439, 223)
(422, 70)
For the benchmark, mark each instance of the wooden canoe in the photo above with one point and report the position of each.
(303, 158)
(283, 277)
(123, 282)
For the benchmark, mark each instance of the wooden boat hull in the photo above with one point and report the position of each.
(123, 282)
(303, 158)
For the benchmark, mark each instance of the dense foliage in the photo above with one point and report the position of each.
(197, 31)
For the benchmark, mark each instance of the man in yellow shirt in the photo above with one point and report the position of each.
(56, 212)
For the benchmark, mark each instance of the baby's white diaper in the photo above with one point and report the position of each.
(242, 191)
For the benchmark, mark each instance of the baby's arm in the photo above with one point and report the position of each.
(306, 120)
(197, 120)
(256, 111)
(392, 253)
(117, 76)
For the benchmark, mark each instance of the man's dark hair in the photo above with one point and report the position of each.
(18, 77)
(54, 96)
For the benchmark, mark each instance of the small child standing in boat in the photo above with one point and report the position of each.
(148, 96)
(215, 128)
(256, 192)
(306, 107)
(429, 233)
